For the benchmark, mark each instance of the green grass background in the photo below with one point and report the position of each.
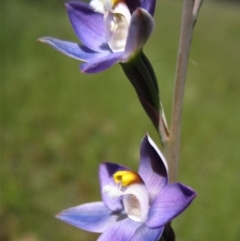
(57, 124)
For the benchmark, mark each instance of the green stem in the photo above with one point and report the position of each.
(190, 10)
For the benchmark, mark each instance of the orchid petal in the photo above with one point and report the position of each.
(146, 233)
(169, 203)
(149, 5)
(136, 202)
(133, 4)
(88, 26)
(106, 171)
(101, 64)
(121, 231)
(152, 167)
(135, 199)
(140, 29)
(93, 217)
(73, 50)
(117, 23)
(133, 192)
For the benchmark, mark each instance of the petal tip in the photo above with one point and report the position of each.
(188, 191)
(68, 5)
(40, 40)
(58, 216)
(154, 146)
(44, 40)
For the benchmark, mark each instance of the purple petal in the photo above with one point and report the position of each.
(146, 233)
(93, 217)
(141, 27)
(88, 25)
(121, 231)
(133, 4)
(152, 167)
(149, 5)
(101, 64)
(106, 171)
(72, 50)
(169, 203)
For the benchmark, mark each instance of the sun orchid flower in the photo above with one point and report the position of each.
(115, 31)
(135, 205)
(111, 31)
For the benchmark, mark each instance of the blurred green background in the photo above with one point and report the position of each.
(57, 124)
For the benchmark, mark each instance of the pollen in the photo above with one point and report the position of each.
(126, 178)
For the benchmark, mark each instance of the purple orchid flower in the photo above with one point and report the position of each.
(111, 31)
(135, 206)
(115, 31)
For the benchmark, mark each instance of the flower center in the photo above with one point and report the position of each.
(126, 178)
(117, 19)
(133, 192)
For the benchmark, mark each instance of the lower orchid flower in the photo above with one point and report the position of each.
(111, 31)
(135, 205)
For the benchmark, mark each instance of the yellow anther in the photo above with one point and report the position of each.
(116, 1)
(126, 177)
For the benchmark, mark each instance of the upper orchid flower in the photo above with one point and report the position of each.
(111, 31)
(135, 206)
(115, 31)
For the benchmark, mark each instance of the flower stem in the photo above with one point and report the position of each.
(190, 11)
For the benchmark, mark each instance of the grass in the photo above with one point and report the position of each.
(58, 124)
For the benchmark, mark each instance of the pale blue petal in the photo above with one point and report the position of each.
(106, 171)
(152, 167)
(101, 64)
(145, 233)
(169, 203)
(121, 231)
(88, 25)
(72, 50)
(141, 27)
(93, 217)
